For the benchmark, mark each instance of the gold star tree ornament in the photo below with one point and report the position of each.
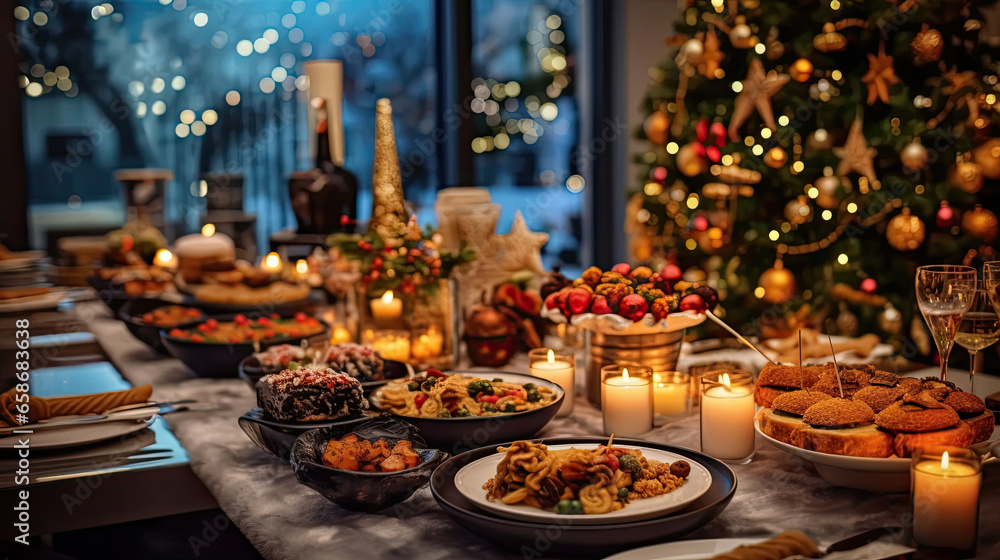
(856, 155)
(879, 77)
(755, 95)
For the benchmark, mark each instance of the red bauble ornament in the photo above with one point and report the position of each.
(868, 285)
(945, 215)
(700, 223)
(660, 173)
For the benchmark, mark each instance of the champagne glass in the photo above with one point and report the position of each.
(991, 277)
(980, 328)
(944, 294)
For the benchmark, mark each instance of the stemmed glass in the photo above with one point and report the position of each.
(991, 277)
(980, 328)
(944, 294)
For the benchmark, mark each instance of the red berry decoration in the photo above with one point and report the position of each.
(600, 306)
(622, 268)
(578, 301)
(241, 319)
(212, 323)
(301, 317)
(695, 303)
(633, 307)
(708, 294)
(672, 273)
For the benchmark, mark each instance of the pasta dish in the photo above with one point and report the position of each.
(580, 481)
(438, 395)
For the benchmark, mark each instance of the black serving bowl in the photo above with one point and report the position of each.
(359, 490)
(582, 541)
(222, 359)
(131, 314)
(251, 371)
(277, 437)
(469, 432)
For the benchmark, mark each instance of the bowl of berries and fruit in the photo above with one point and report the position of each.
(626, 300)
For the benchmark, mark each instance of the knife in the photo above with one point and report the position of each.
(137, 413)
(875, 544)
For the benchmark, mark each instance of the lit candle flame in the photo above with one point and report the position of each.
(724, 380)
(301, 266)
(272, 261)
(625, 376)
(387, 297)
(163, 258)
(944, 461)
(551, 357)
(208, 230)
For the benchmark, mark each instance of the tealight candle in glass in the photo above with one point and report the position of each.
(627, 399)
(670, 393)
(945, 483)
(727, 411)
(559, 368)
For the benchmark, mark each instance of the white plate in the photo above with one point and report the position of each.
(684, 550)
(80, 434)
(470, 480)
(872, 474)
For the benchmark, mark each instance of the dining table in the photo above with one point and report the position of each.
(284, 519)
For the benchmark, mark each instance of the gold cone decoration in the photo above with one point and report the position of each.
(388, 211)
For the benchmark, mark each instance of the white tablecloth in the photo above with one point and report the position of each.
(286, 520)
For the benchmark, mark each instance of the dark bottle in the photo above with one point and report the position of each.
(324, 199)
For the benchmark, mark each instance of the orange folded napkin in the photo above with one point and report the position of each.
(40, 408)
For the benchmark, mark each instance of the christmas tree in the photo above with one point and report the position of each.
(805, 156)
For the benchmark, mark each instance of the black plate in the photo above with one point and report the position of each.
(251, 372)
(277, 438)
(131, 314)
(222, 359)
(358, 490)
(534, 539)
(458, 434)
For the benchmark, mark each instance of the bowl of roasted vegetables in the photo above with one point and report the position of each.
(365, 467)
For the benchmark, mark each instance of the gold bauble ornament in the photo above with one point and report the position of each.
(827, 186)
(905, 232)
(980, 222)
(819, 140)
(692, 52)
(801, 70)
(655, 126)
(914, 156)
(741, 36)
(829, 40)
(775, 157)
(890, 320)
(775, 48)
(689, 162)
(778, 284)
(987, 156)
(927, 45)
(798, 211)
(966, 175)
(847, 322)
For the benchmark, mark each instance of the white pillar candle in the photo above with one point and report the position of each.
(386, 309)
(670, 396)
(727, 413)
(628, 405)
(945, 503)
(560, 372)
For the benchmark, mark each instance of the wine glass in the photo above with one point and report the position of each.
(944, 294)
(980, 328)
